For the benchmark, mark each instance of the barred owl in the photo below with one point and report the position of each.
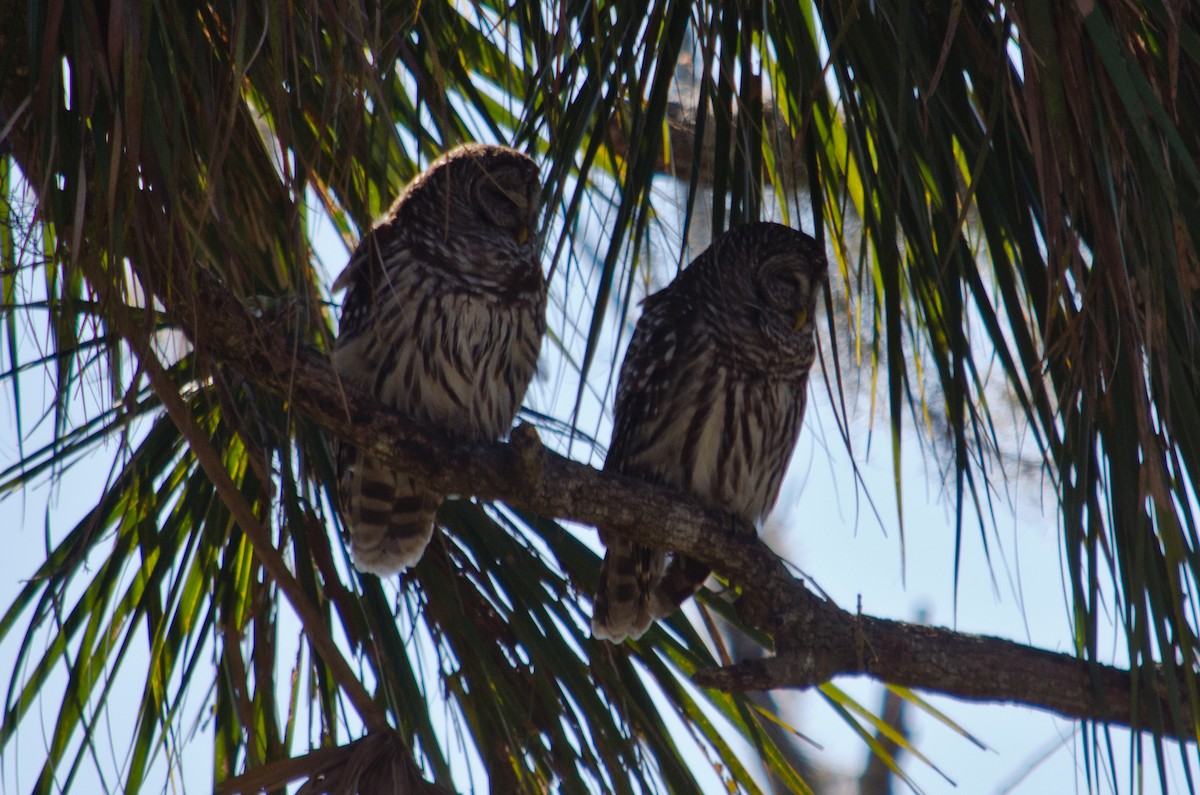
(710, 401)
(443, 319)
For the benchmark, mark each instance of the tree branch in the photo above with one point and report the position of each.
(815, 639)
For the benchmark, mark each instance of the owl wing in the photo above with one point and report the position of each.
(664, 337)
(373, 264)
(389, 515)
(650, 375)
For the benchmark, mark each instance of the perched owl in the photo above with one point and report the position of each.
(443, 319)
(710, 401)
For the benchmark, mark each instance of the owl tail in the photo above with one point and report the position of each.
(682, 578)
(389, 515)
(621, 608)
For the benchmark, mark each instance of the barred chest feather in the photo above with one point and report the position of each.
(456, 359)
(711, 440)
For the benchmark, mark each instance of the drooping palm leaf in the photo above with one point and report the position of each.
(1021, 180)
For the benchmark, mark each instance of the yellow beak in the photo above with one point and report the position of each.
(522, 235)
(801, 319)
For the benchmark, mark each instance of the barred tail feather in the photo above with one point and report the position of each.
(390, 516)
(622, 607)
(682, 578)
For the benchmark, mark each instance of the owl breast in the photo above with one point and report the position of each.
(717, 447)
(452, 357)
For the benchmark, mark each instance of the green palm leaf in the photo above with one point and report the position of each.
(1009, 193)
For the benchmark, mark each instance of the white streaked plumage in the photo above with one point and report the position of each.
(443, 320)
(710, 400)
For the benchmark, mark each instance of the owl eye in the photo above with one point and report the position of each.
(494, 193)
(782, 288)
(502, 205)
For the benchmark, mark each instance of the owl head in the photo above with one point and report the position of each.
(763, 280)
(471, 217)
(475, 198)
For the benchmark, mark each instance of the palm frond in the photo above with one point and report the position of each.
(1008, 191)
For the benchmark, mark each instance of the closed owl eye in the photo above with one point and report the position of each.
(782, 288)
(493, 197)
(503, 205)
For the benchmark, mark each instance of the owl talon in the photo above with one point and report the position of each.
(743, 530)
(526, 442)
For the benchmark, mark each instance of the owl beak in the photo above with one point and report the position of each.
(801, 318)
(522, 235)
